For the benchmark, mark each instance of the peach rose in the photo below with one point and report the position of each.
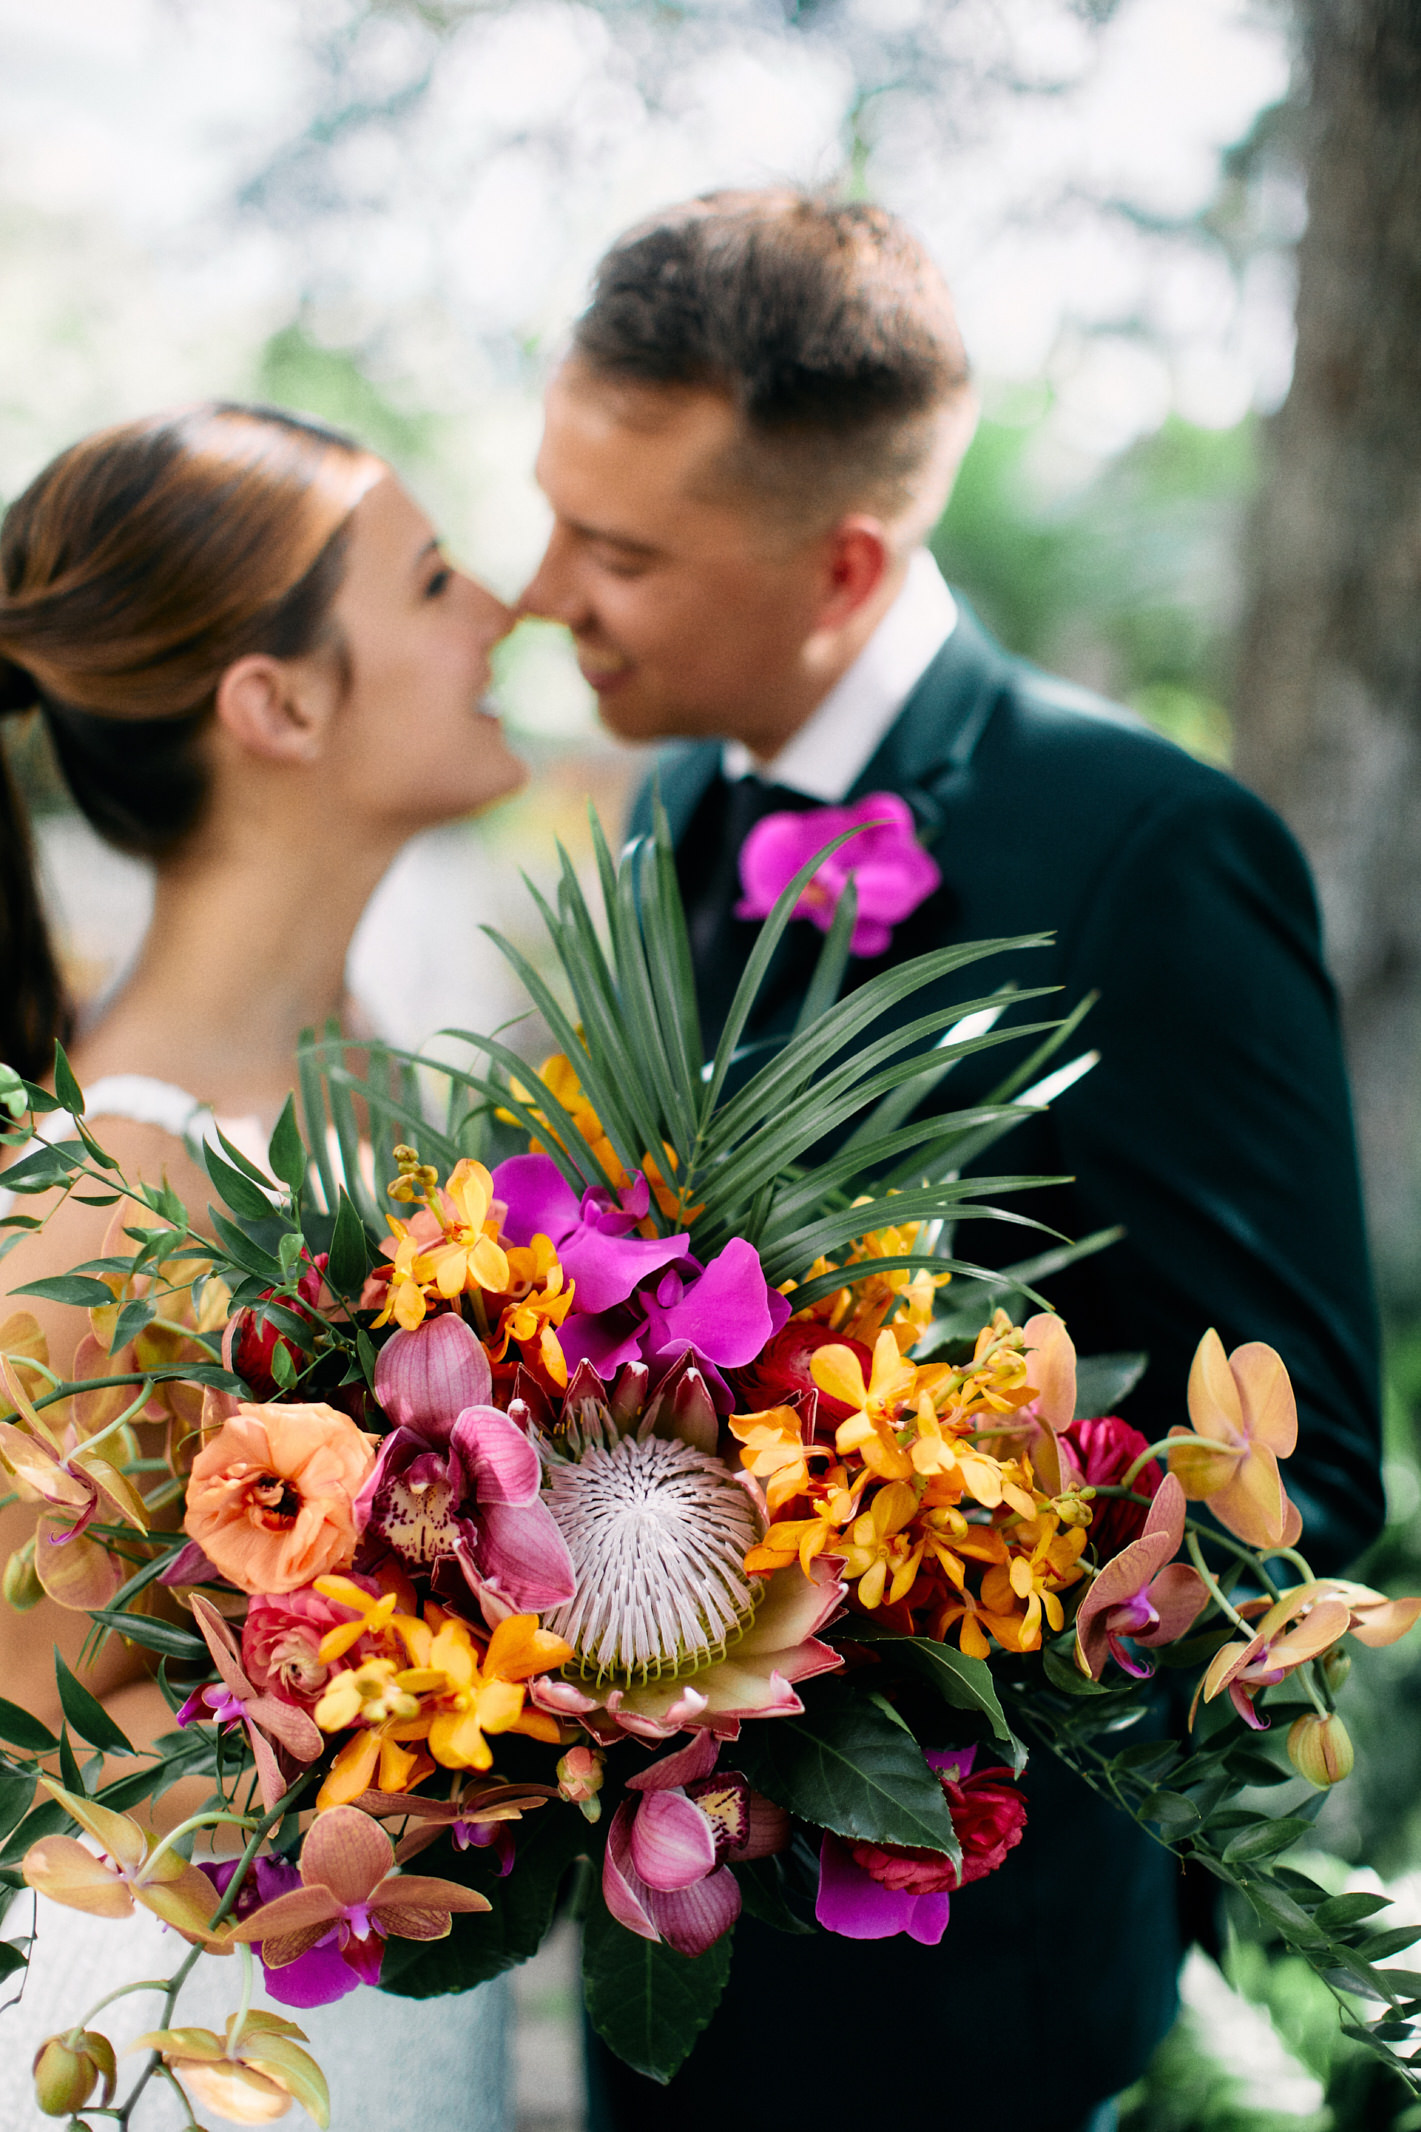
(271, 1497)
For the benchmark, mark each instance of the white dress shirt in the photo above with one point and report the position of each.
(839, 737)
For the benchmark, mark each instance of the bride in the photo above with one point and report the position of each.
(258, 670)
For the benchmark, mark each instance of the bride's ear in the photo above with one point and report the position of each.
(273, 708)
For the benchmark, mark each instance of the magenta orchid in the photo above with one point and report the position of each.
(869, 1892)
(664, 1874)
(455, 1489)
(594, 1237)
(889, 868)
(1143, 1594)
(315, 1978)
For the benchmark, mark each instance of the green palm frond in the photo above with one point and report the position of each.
(800, 1145)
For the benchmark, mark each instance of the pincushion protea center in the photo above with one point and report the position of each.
(658, 1533)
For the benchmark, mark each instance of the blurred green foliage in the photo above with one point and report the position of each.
(297, 372)
(1120, 577)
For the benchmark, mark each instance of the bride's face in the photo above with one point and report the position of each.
(411, 743)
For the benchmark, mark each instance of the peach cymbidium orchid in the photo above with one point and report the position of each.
(1243, 1405)
(134, 1869)
(664, 1871)
(448, 1696)
(348, 1880)
(1143, 1596)
(1303, 1623)
(69, 1474)
(234, 1699)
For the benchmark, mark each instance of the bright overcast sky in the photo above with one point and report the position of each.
(449, 246)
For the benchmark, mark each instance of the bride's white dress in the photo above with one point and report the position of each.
(394, 2065)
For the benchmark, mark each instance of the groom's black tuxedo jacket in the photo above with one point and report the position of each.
(1217, 1130)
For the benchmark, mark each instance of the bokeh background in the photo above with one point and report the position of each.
(1185, 239)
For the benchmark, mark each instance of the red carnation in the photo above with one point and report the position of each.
(989, 1814)
(781, 1372)
(1101, 1451)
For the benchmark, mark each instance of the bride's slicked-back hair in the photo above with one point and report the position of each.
(133, 571)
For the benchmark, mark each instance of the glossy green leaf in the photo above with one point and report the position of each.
(19, 1729)
(66, 1088)
(238, 1191)
(287, 1152)
(962, 1682)
(153, 1634)
(645, 2001)
(842, 1766)
(485, 1943)
(87, 1714)
(350, 1254)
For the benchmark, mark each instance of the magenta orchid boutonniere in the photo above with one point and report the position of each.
(888, 866)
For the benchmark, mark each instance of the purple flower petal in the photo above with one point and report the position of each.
(498, 1455)
(426, 1378)
(672, 1842)
(539, 1200)
(727, 1315)
(521, 1554)
(692, 1919)
(890, 869)
(852, 1903)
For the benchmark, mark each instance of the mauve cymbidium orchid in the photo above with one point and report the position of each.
(348, 1880)
(235, 1700)
(1143, 1596)
(456, 1485)
(1243, 1404)
(664, 1871)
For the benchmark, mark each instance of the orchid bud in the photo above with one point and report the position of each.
(1336, 1665)
(67, 2069)
(1320, 1749)
(20, 1585)
(580, 1776)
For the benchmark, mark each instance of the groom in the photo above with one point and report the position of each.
(755, 429)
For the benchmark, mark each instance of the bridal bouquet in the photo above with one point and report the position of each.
(613, 1489)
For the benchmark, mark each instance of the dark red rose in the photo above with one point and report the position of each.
(250, 1343)
(989, 1814)
(781, 1371)
(1100, 1452)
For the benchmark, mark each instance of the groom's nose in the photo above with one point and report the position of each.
(554, 592)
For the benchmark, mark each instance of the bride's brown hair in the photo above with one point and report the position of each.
(133, 571)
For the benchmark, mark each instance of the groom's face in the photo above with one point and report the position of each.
(693, 612)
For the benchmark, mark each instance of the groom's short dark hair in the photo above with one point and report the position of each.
(826, 323)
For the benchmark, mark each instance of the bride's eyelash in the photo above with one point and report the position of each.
(439, 581)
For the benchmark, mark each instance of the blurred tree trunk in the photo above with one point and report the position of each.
(1329, 695)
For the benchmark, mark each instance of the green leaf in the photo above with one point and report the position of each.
(1171, 1809)
(70, 1094)
(47, 1820)
(1102, 1381)
(762, 1892)
(283, 1369)
(1276, 1908)
(842, 1766)
(964, 1683)
(824, 986)
(129, 1323)
(24, 1731)
(484, 1944)
(11, 1958)
(286, 1153)
(1342, 1910)
(350, 1255)
(72, 1288)
(69, 1771)
(16, 1795)
(152, 1634)
(87, 1715)
(252, 1259)
(238, 1191)
(1063, 1673)
(645, 2001)
(45, 1168)
(1264, 1839)
(1379, 1945)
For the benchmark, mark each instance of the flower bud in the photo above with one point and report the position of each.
(1320, 1749)
(580, 1775)
(67, 2069)
(20, 1585)
(1336, 1665)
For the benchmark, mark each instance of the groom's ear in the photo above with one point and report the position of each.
(273, 710)
(857, 555)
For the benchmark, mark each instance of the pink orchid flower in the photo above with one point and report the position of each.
(891, 872)
(234, 1699)
(663, 1871)
(1143, 1594)
(1303, 1622)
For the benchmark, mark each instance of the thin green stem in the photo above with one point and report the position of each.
(1211, 1584)
(1161, 1449)
(1235, 1547)
(145, 1984)
(185, 1828)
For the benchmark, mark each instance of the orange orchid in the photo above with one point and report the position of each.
(804, 1539)
(1243, 1404)
(542, 1299)
(135, 1870)
(1320, 1618)
(775, 1452)
(450, 1248)
(881, 1553)
(449, 1695)
(869, 1430)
